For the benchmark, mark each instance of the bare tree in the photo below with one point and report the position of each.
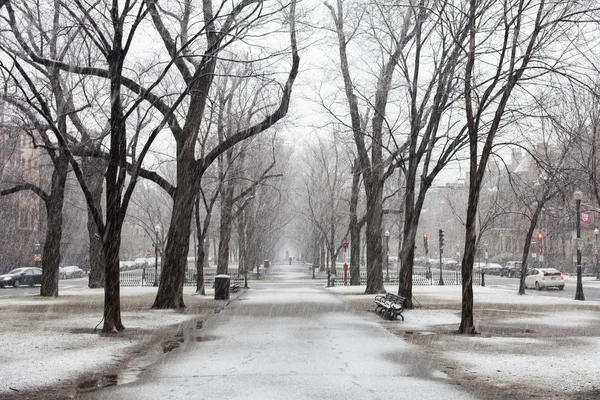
(524, 36)
(198, 78)
(325, 199)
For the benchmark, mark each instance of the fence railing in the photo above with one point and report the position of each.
(148, 278)
(418, 278)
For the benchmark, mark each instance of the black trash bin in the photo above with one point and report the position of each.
(222, 287)
(267, 264)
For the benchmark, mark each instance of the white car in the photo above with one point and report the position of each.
(540, 278)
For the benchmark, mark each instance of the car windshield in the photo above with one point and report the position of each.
(17, 271)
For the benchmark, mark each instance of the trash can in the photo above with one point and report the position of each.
(267, 264)
(222, 287)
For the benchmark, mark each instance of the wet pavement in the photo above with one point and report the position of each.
(286, 338)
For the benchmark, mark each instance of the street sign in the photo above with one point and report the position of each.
(148, 253)
(37, 257)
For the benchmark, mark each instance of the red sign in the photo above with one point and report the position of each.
(148, 253)
(586, 218)
(37, 257)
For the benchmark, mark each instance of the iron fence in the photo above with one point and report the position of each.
(148, 278)
(418, 279)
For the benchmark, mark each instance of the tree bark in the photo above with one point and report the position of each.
(354, 226)
(54, 213)
(170, 291)
(225, 229)
(374, 218)
(93, 169)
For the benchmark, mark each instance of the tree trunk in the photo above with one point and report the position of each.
(412, 213)
(54, 214)
(528, 237)
(93, 169)
(112, 287)
(200, 267)
(170, 291)
(225, 230)
(467, 322)
(322, 252)
(407, 256)
(332, 253)
(354, 226)
(374, 238)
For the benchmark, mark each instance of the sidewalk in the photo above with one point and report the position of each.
(294, 336)
(289, 339)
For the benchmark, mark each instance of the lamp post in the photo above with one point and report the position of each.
(596, 253)
(577, 196)
(387, 255)
(156, 239)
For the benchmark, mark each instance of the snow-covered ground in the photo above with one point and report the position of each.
(50, 342)
(544, 343)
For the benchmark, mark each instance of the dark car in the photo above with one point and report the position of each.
(512, 269)
(21, 276)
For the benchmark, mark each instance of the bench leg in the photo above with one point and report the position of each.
(389, 314)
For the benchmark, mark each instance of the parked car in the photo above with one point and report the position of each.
(126, 265)
(22, 276)
(511, 269)
(71, 271)
(140, 263)
(541, 278)
(492, 269)
(478, 267)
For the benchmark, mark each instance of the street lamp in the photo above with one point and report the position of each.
(577, 196)
(156, 239)
(596, 252)
(387, 255)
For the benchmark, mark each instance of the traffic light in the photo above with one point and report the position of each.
(425, 244)
(442, 238)
(540, 242)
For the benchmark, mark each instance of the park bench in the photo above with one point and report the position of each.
(235, 287)
(389, 306)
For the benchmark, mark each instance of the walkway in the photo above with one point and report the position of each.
(287, 338)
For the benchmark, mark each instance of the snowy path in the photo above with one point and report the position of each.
(290, 339)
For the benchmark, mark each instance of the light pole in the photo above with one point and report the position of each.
(387, 255)
(596, 252)
(577, 195)
(156, 239)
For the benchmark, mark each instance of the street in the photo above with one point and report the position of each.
(591, 287)
(10, 291)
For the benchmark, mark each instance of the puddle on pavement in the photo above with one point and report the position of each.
(420, 333)
(206, 338)
(122, 378)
